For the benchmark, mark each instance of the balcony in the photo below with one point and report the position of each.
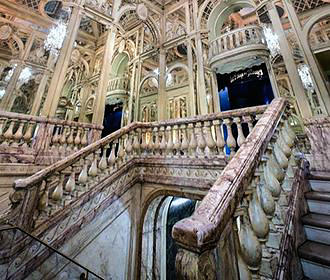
(238, 49)
(118, 88)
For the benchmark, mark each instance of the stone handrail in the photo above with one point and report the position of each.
(120, 83)
(42, 195)
(236, 38)
(246, 204)
(23, 137)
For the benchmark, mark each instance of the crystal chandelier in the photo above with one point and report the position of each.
(55, 38)
(2, 92)
(25, 75)
(305, 76)
(272, 41)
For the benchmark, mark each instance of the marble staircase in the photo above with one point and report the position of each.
(315, 252)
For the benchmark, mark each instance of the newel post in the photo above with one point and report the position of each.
(195, 266)
(195, 259)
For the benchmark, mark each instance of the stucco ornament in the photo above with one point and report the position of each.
(142, 11)
(5, 32)
(122, 46)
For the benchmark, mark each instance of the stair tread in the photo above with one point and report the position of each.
(324, 196)
(315, 252)
(317, 220)
(319, 176)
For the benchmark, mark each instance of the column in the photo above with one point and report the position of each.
(9, 97)
(162, 86)
(42, 86)
(191, 95)
(201, 87)
(319, 83)
(100, 95)
(289, 62)
(57, 82)
(162, 74)
(272, 78)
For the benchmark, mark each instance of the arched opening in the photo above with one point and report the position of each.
(158, 248)
(244, 82)
(319, 42)
(117, 94)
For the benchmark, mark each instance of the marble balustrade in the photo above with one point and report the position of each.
(31, 139)
(63, 184)
(235, 39)
(243, 219)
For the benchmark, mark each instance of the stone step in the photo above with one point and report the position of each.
(318, 202)
(320, 186)
(317, 227)
(315, 260)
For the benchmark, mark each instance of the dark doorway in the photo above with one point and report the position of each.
(112, 118)
(245, 88)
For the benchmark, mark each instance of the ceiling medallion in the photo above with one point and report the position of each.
(142, 11)
(5, 32)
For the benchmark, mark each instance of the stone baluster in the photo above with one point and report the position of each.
(93, 170)
(43, 198)
(157, 142)
(231, 143)
(103, 164)
(150, 144)
(70, 139)
(129, 145)
(241, 137)
(57, 194)
(121, 151)
(162, 145)
(248, 119)
(193, 140)
(2, 126)
(176, 140)
(210, 144)
(28, 133)
(112, 156)
(143, 145)
(83, 177)
(250, 247)
(201, 144)
(19, 133)
(62, 140)
(220, 142)
(185, 143)
(136, 142)
(55, 138)
(84, 140)
(70, 186)
(169, 145)
(9, 135)
(77, 139)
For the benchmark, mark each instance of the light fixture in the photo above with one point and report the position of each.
(9, 74)
(305, 76)
(55, 37)
(25, 75)
(272, 41)
(2, 92)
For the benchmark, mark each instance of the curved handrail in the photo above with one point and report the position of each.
(202, 230)
(64, 163)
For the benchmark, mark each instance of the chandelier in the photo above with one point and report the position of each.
(55, 38)
(2, 92)
(25, 75)
(305, 76)
(272, 41)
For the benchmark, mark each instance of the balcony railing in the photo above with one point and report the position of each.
(250, 38)
(120, 84)
(67, 181)
(31, 139)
